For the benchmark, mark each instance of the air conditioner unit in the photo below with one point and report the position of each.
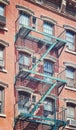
(71, 122)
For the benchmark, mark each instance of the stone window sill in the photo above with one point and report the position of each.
(72, 89)
(3, 115)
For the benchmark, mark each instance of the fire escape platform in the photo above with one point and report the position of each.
(24, 31)
(40, 120)
(24, 73)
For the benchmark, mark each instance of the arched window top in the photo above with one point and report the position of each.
(24, 9)
(70, 64)
(72, 29)
(25, 50)
(3, 85)
(48, 19)
(51, 58)
(71, 101)
(5, 2)
(24, 89)
(3, 43)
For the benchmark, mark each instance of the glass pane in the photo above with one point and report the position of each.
(26, 60)
(70, 73)
(1, 10)
(70, 40)
(1, 54)
(70, 112)
(47, 28)
(20, 59)
(48, 105)
(24, 20)
(48, 67)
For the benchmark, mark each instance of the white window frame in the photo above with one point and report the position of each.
(24, 19)
(25, 102)
(24, 59)
(1, 53)
(48, 29)
(1, 100)
(70, 73)
(48, 106)
(70, 37)
(48, 69)
(71, 111)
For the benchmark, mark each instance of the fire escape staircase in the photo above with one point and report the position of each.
(58, 43)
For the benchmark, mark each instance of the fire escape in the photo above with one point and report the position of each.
(35, 34)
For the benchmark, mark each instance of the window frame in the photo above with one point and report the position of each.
(2, 100)
(24, 56)
(48, 72)
(2, 58)
(47, 102)
(72, 70)
(48, 32)
(3, 10)
(71, 106)
(71, 45)
(23, 106)
(26, 18)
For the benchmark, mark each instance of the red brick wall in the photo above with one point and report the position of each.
(11, 16)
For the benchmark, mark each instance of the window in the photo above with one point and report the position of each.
(24, 19)
(70, 77)
(48, 28)
(34, 22)
(1, 10)
(1, 56)
(48, 68)
(24, 101)
(24, 60)
(48, 106)
(1, 100)
(70, 110)
(70, 72)
(70, 37)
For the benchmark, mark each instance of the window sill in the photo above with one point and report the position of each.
(71, 128)
(3, 28)
(72, 89)
(3, 70)
(70, 51)
(3, 115)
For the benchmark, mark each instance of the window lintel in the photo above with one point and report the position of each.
(67, 27)
(70, 64)
(48, 19)
(25, 89)
(5, 44)
(24, 9)
(25, 50)
(5, 2)
(51, 58)
(71, 101)
(4, 85)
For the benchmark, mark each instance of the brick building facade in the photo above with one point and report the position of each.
(38, 64)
